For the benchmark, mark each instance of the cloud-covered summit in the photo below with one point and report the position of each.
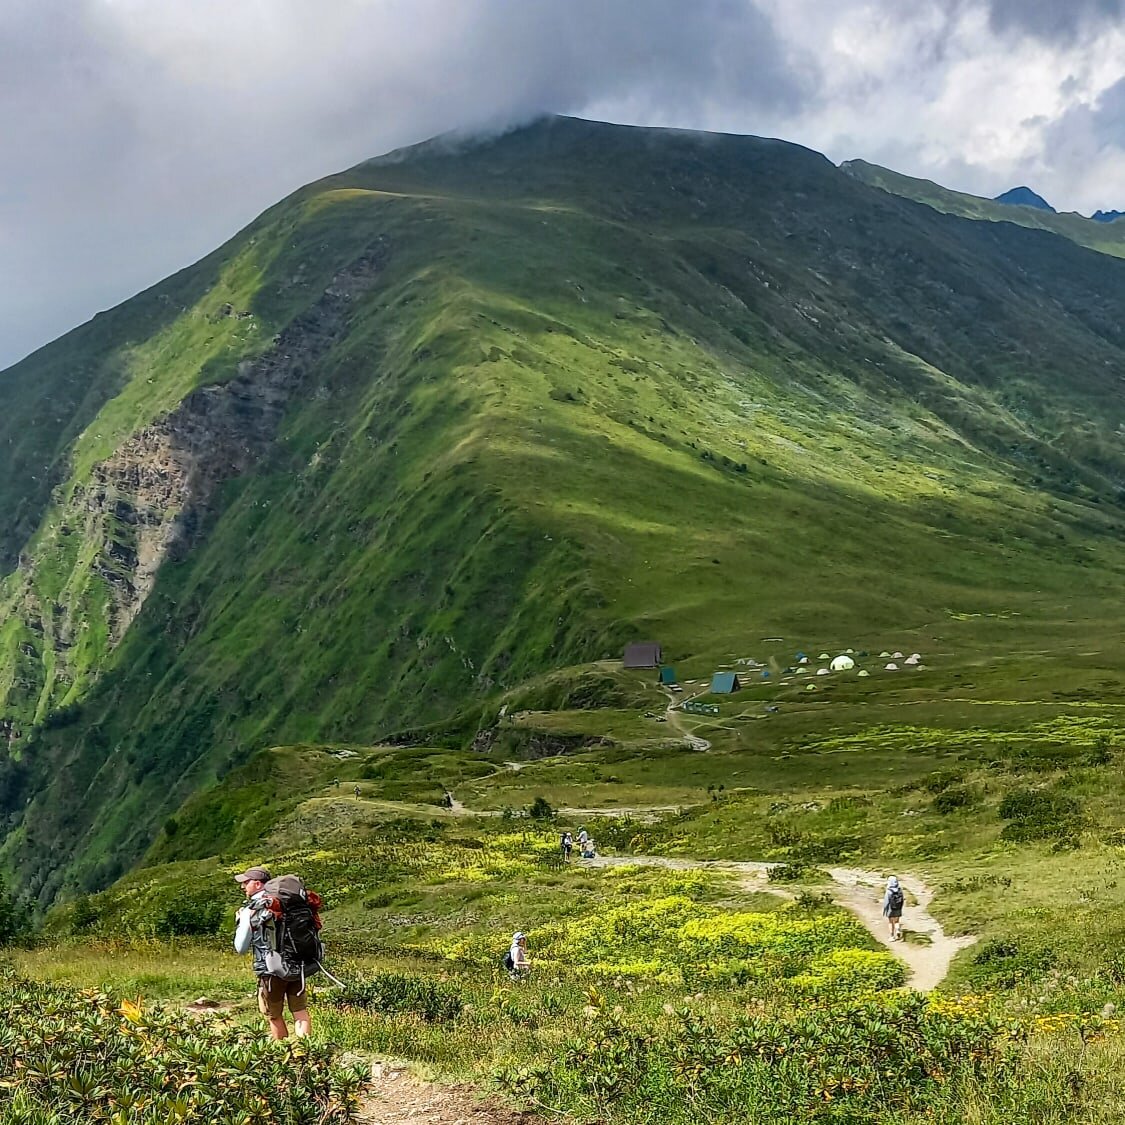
(140, 135)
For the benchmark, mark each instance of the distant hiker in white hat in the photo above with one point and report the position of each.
(893, 902)
(516, 960)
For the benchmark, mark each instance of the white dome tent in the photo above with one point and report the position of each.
(892, 668)
(842, 664)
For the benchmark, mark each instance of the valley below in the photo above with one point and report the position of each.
(325, 553)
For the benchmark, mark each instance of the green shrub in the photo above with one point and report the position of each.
(954, 798)
(399, 993)
(858, 1062)
(793, 873)
(541, 809)
(941, 780)
(13, 921)
(69, 1058)
(1005, 963)
(1038, 814)
(197, 915)
(1036, 804)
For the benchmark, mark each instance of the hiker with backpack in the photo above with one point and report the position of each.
(566, 845)
(516, 961)
(280, 925)
(893, 902)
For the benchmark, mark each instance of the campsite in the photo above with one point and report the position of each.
(728, 840)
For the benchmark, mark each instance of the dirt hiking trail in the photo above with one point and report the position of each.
(856, 890)
(398, 1098)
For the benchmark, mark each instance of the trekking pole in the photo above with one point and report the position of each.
(334, 979)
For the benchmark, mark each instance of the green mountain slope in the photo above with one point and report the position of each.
(471, 412)
(1104, 237)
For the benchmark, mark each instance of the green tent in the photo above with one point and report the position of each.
(724, 683)
(668, 676)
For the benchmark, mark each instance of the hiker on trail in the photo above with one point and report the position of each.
(356, 792)
(517, 962)
(566, 846)
(583, 835)
(588, 849)
(893, 902)
(279, 924)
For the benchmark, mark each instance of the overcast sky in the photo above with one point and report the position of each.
(136, 135)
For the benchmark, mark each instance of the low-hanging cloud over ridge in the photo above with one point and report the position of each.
(140, 135)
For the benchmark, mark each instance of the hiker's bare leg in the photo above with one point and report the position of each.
(279, 1029)
(302, 1024)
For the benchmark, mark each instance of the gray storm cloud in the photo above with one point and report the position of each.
(137, 136)
(1054, 19)
(144, 134)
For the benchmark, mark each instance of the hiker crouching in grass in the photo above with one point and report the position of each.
(257, 932)
(517, 961)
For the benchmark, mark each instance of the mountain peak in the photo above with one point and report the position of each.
(1024, 197)
(1107, 216)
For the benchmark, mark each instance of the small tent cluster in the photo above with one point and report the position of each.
(846, 661)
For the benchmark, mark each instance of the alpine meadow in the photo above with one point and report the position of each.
(325, 552)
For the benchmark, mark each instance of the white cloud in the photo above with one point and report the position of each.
(146, 133)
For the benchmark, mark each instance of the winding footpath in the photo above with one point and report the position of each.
(856, 890)
(675, 717)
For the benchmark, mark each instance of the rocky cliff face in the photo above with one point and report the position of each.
(148, 502)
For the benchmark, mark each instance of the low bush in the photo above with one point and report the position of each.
(400, 993)
(940, 780)
(1039, 814)
(191, 916)
(69, 1058)
(954, 798)
(793, 873)
(1005, 963)
(851, 1063)
(541, 809)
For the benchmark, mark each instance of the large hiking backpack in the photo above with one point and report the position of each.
(895, 902)
(296, 925)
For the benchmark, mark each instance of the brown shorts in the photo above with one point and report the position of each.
(274, 991)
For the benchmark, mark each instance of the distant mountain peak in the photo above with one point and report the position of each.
(1024, 197)
(1107, 216)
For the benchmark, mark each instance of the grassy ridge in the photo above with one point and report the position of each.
(1106, 238)
(602, 383)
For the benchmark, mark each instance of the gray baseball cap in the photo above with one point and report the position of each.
(259, 873)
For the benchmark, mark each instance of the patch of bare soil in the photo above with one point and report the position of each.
(399, 1098)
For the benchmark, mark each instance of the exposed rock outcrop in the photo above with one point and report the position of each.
(150, 500)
